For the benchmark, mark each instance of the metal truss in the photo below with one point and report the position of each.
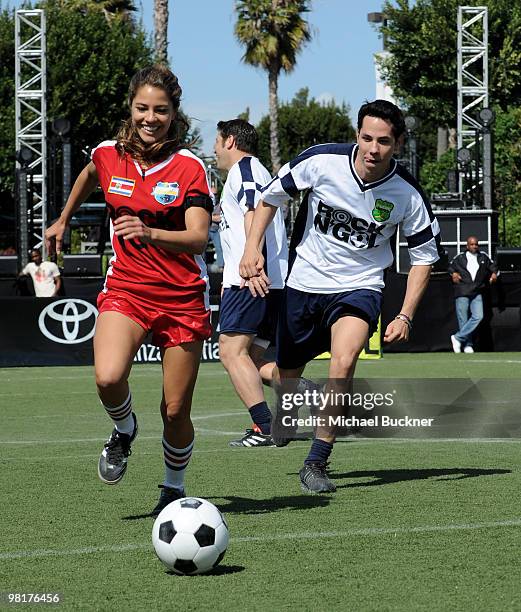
(31, 116)
(472, 76)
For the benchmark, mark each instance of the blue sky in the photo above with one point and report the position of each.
(337, 63)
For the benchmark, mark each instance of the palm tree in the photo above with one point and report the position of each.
(160, 31)
(112, 9)
(273, 32)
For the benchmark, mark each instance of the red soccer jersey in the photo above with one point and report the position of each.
(174, 281)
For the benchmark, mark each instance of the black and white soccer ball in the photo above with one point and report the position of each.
(190, 536)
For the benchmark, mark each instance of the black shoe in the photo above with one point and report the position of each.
(253, 438)
(314, 479)
(112, 463)
(168, 495)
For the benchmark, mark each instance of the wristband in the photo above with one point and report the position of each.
(405, 319)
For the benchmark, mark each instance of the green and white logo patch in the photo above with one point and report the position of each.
(382, 210)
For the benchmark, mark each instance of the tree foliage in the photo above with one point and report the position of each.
(422, 68)
(89, 83)
(304, 122)
(93, 48)
(111, 9)
(507, 131)
(89, 64)
(7, 109)
(273, 33)
(433, 174)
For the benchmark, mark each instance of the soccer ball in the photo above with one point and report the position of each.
(190, 536)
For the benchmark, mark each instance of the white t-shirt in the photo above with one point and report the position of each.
(43, 277)
(343, 230)
(472, 264)
(240, 194)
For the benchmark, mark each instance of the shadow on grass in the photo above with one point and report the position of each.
(220, 570)
(383, 477)
(137, 517)
(247, 505)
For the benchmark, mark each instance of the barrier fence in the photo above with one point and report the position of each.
(59, 331)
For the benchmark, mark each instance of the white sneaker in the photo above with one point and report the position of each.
(468, 349)
(456, 344)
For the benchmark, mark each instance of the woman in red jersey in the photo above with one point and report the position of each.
(158, 198)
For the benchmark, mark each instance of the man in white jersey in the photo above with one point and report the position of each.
(355, 196)
(247, 323)
(45, 274)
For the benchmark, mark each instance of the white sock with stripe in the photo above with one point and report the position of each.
(176, 461)
(122, 415)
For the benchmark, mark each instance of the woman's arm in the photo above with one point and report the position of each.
(84, 185)
(191, 240)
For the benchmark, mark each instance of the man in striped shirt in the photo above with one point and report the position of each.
(247, 323)
(355, 196)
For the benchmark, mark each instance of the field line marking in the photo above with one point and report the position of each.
(306, 535)
(375, 531)
(157, 437)
(203, 417)
(134, 374)
(144, 453)
(355, 441)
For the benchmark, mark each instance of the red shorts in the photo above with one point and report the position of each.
(168, 328)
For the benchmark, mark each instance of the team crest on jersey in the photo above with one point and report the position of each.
(382, 210)
(121, 186)
(165, 193)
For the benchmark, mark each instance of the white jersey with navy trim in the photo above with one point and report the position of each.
(341, 239)
(240, 194)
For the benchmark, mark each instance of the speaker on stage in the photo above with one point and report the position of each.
(8, 265)
(82, 265)
(508, 259)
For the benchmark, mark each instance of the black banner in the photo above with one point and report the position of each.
(59, 331)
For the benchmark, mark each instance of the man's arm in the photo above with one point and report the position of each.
(493, 269)
(453, 270)
(417, 281)
(57, 284)
(252, 262)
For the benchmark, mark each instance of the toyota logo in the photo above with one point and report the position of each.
(70, 313)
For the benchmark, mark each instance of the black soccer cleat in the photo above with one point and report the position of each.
(314, 478)
(253, 438)
(112, 463)
(168, 495)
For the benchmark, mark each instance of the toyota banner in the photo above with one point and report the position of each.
(50, 331)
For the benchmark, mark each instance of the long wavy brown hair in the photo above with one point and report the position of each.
(128, 139)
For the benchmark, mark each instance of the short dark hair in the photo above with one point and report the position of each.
(383, 110)
(246, 137)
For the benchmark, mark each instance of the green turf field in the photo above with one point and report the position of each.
(414, 525)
